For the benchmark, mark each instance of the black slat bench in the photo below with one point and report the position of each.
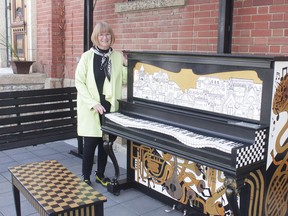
(37, 116)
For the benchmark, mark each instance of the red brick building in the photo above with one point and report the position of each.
(259, 27)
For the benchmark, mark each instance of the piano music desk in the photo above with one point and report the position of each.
(53, 190)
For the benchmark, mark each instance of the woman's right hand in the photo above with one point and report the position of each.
(124, 59)
(99, 109)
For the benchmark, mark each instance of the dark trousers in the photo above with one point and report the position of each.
(90, 144)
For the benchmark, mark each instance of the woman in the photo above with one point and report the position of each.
(99, 76)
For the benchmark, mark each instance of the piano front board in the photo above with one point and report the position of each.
(234, 86)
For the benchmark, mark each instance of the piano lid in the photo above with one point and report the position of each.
(228, 85)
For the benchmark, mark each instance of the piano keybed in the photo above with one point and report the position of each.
(184, 136)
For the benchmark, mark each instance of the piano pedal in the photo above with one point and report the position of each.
(191, 203)
(170, 210)
(174, 207)
(185, 212)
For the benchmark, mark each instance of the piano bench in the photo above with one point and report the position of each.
(53, 190)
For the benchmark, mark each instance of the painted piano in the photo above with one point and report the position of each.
(207, 132)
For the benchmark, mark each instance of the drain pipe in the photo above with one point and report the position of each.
(225, 23)
(88, 23)
(7, 7)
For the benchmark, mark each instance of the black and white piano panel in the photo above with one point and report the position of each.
(191, 184)
(236, 93)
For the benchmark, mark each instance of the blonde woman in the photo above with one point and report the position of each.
(99, 77)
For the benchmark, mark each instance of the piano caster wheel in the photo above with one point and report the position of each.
(113, 187)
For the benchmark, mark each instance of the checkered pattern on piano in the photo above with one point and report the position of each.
(52, 189)
(253, 153)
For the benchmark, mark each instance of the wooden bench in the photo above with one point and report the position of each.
(53, 190)
(37, 116)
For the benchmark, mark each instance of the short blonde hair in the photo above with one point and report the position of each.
(100, 28)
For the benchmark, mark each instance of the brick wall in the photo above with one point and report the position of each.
(51, 40)
(192, 27)
(74, 35)
(259, 27)
(44, 31)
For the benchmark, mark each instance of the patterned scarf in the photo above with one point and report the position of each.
(105, 61)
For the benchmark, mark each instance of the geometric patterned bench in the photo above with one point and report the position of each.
(53, 190)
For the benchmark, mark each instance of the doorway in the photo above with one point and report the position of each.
(18, 26)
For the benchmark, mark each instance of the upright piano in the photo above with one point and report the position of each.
(207, 111)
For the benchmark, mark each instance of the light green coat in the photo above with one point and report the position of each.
(88, 95)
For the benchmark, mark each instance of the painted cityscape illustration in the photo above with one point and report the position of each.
(236, 93)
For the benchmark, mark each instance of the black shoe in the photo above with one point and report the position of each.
(87, 181)
(103, 180)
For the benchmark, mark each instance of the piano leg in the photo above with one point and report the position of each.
(113, 187)
(231, 194)
(116, 185)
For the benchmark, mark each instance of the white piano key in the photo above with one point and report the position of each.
(184, 136)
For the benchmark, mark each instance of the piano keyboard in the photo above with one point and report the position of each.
(184, 136)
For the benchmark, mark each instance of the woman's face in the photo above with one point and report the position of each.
(104, 40)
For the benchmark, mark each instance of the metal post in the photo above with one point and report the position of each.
(88, 28)
(225, 26)
(88, 23)
(7, 7)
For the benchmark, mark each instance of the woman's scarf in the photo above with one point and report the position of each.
(106, 64)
